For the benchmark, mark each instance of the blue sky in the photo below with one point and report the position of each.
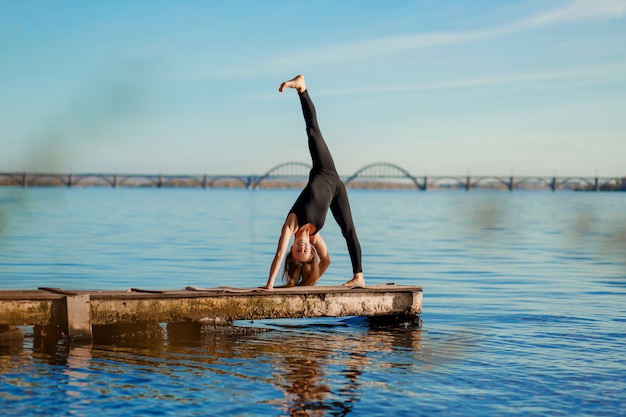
(530, 87)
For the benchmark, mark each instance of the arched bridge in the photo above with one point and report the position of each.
(384, 171)
(295, 174)
(288, 171)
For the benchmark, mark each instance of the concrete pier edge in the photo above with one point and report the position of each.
(84, 315)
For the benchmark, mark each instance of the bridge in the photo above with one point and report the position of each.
(295, 174)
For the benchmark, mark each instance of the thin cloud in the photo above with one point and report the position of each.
(578, 10)
(353, 51)
(588, 75)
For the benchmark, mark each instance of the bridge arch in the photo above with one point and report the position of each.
(47, 180)
(225, 180)
(509, 183)
(11, 179)
(93, 179)
(455, 181)
(287, 170)
(531, 182)
(575, 181)
(610, 183)
(384, 170)
(139, 180)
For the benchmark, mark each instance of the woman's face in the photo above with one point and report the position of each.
(301, 250)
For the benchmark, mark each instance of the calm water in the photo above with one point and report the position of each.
(524, 304)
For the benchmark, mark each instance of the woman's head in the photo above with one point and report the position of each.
(302, 250)
(301, 265)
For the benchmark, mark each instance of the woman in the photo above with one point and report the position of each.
(307, 258)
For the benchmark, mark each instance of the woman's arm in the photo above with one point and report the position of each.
(322, 252)
(289, 229)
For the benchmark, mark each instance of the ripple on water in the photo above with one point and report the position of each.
(521, 316)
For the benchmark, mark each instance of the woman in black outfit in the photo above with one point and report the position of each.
(307, 259)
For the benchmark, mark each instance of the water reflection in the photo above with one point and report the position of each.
(312, 369)
(304, 366)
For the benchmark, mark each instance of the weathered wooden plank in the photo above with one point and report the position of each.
(253, 307)
(77, 311)
(28, 295)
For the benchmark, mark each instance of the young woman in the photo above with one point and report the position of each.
(307, 258)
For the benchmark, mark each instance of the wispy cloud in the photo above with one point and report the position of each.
(575, 11)
(581, 75)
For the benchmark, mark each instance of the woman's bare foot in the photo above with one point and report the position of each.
(297, 82)
(357, 281)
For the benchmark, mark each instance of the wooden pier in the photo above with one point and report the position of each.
(90, 315)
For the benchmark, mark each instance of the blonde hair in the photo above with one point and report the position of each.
(301, 273)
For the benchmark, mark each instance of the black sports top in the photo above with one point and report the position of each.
(315, 199)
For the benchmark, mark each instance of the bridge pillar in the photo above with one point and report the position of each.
(596, 185)
(116, 181)
(468, 183)
(25, 180)
(553, 184)
(511, 184)
(425, 185)
(160, 183)
(70, 180)
(205, 182)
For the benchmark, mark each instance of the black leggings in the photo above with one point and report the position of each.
(324, 166)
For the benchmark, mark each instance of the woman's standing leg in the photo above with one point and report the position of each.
(340, 207)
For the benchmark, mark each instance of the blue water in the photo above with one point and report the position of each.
(524, 310)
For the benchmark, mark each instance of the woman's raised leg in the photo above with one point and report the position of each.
(320, 155)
